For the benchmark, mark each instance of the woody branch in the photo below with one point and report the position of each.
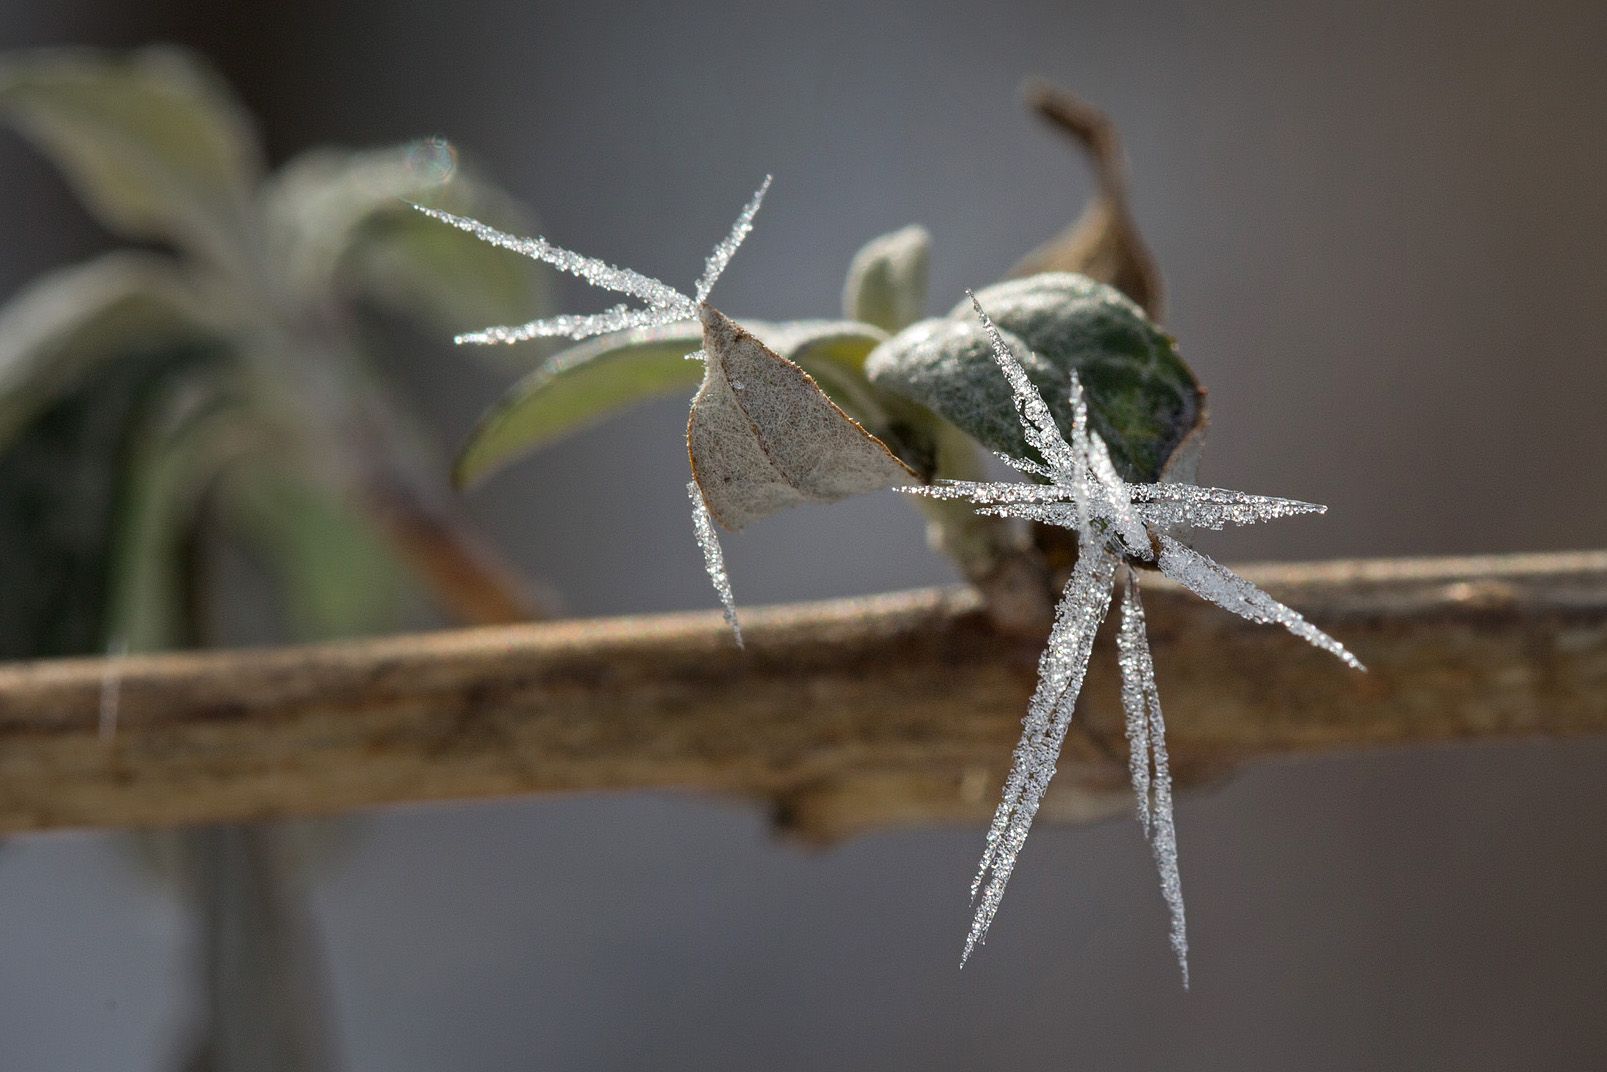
(840, 715)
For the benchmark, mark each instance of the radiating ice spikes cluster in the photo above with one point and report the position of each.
(1116, 522)
(665, 305)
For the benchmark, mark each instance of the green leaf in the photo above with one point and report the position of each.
(578, 387)
(183, 438)
(1142, 399)
(588, 382)
(152, 141)
(65, 482)
(339, 219)
(947, 366)
(65, 327)
(886, 283)
(336, 573)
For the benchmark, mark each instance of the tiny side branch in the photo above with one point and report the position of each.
(841, 715)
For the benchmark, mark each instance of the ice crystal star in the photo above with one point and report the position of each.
(664, 305)
(1116, 523)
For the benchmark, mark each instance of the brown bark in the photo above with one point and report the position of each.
(842, 715)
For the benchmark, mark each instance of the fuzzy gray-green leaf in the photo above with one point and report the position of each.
(152, 141)
(886, 283)
(948, 367)
(1142, 398)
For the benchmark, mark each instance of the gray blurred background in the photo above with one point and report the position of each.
(1382, 227)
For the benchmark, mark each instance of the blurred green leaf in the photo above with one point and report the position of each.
(336, 573)
(340, 220)
(185, 435)
(65, 327)
(1142, 398)
(152, 141)
(886, 283)
(64, 496)
(577, 387)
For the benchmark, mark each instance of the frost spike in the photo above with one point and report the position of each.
(596, 272)
(1147, 760)
(1060, 676)
(713, 557)
(665, 304)
(1036, 420)
(616, 318)
(721, 256)
(1131, 646)
(1115, 522)
(1211, 508)
(1213, 581)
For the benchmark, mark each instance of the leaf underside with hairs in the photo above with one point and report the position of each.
(587, 383)
(762, 436)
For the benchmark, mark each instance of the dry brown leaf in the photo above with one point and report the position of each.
(762, 436)
(1104, 242)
